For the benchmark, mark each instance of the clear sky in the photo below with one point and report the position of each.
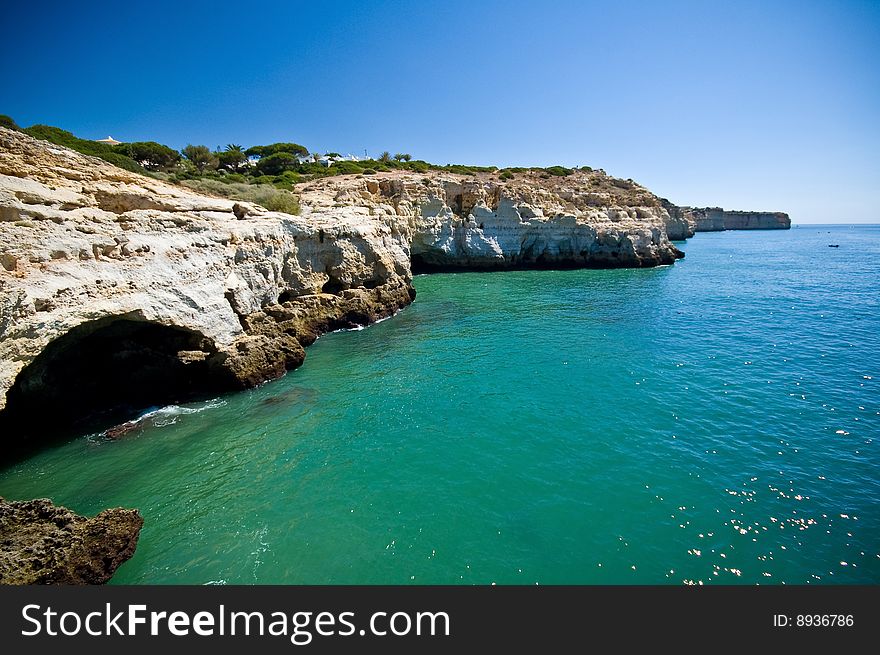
(767, 105)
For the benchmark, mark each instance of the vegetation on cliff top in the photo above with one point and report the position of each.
(264, 174)
(6, 121)
(104, 151)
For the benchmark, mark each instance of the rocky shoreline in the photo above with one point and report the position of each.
(119, 291)
(123, 291)
(716, 219)
(41, 543)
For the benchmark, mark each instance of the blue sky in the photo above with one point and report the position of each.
(747, 105)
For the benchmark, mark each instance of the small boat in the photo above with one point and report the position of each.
(834, 245)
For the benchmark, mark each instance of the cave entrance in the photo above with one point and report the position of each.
(102, 373)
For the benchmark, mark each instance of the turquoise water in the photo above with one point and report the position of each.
(715, 421)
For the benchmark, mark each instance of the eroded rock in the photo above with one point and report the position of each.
(41, 543)
(138, 249)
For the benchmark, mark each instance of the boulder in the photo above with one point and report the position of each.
(41, 543)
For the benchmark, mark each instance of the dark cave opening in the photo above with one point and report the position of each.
(333, 285)
(102, 373)
(421, 264)
(456, 204)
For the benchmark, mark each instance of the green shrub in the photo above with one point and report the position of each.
(93, 148)
(277, 163)
(276, 200)
(7, 122)
(275, 148)
(418, 166)
(201, 157)
(559, 171)
(273, 199)
(369, 171)
(313, 168)
(214, 187)
(120, 160)
(345, 168)
(232, 159)
(461, 169)
(506, 175)
(149, 154)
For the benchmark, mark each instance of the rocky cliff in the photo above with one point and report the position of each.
(585, 219)
(715, 219)
(44, 544)
(119, 291)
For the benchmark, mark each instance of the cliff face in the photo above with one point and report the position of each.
(681, 223)
(453, 222)
(172, 284)
(44, 544)
(715, 219)
(118, 290)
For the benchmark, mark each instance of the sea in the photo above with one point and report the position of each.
(716, 421)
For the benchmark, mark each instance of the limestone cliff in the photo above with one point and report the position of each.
(141, 292)
(122, 291)
(716, 219)
(585, 219)
(44, 544)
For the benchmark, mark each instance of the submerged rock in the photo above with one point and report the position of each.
(123, 429)
(41, 543)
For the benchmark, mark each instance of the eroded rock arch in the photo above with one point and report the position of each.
(105, 371)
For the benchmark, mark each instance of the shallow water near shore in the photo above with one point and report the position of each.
(714, 421)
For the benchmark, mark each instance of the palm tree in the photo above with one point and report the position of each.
(398, 157)
(385, 157)
(406, 156)
(233, 158)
